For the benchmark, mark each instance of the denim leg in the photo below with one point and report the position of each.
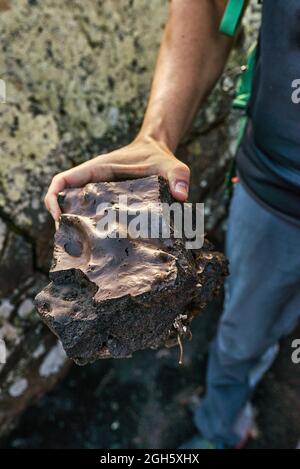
(262, 303)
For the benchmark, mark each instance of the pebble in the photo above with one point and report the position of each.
(25, 308)
(18, 387)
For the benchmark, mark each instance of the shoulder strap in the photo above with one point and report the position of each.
(231, 17)
(244, 84)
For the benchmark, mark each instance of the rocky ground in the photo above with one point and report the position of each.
(146, 402)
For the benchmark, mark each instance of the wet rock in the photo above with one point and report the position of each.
(112, 296)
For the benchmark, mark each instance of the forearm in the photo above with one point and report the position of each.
(191, 58)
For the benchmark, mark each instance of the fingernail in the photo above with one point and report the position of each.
(181, 187)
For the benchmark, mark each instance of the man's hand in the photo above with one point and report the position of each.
(143, 157)
(191, 58)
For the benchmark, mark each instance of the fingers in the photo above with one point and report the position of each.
(75, 177)
(105, 169)
(92, 171)
(179, 180)
(58, 184)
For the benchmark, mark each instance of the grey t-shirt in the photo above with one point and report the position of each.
(268, 160)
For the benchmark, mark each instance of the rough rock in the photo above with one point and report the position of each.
(112, 296)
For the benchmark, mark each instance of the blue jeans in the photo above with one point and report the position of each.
(262, 304)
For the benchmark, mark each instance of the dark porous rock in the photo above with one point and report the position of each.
(110, 297)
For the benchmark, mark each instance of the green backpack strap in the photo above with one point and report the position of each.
(241, 101)
(244, 84)
(231, 17)
(229, 24)
(244, 88)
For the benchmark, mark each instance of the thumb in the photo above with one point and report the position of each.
(179, 180)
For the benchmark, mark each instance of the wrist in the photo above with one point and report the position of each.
(158, 132)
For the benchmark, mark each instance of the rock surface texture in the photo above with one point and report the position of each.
(111, 296)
